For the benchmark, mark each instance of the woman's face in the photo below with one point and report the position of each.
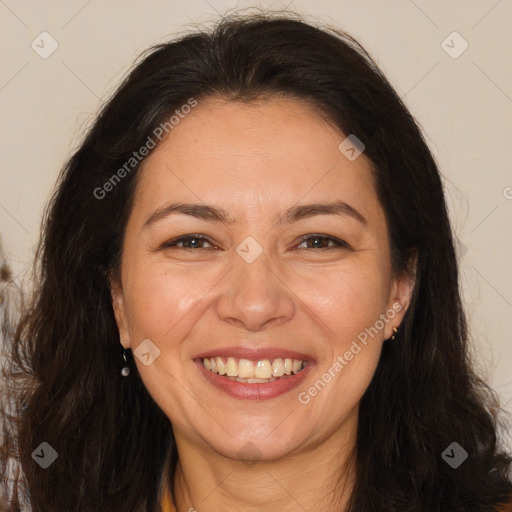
(257, 289)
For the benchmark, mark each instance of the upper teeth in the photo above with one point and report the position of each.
(247, 369)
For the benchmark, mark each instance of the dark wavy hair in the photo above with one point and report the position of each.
(113, 440)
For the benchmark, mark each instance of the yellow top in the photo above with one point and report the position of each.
(167, 505)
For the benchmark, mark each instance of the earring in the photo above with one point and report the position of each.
(125, 370)
(395, 330)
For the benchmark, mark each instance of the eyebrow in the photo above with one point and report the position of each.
(293, 214)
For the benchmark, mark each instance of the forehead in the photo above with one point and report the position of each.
(254, 154)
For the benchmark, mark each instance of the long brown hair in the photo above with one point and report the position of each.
(110, 436)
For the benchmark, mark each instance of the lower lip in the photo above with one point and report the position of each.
(257, 391)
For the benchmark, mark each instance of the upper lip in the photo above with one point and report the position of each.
(255, 354)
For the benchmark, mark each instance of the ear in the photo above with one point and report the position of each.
(401, 294)
(118, 306)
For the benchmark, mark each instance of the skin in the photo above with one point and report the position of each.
(255, 160)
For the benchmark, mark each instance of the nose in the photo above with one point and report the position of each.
(255, 295)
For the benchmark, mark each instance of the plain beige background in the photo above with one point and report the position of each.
(461, 96)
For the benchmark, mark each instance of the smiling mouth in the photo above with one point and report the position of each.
(253, 371)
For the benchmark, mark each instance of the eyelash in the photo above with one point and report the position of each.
(339, 244)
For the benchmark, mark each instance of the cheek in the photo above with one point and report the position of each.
(164, 307)
(347, 300)
(162, 303)
(348, 303)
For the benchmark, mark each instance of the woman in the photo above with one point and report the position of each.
(248, 297)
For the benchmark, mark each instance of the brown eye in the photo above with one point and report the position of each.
(188, 241)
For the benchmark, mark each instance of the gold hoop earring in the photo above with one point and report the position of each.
(395, 331)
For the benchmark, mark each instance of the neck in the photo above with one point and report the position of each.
(318, 479)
